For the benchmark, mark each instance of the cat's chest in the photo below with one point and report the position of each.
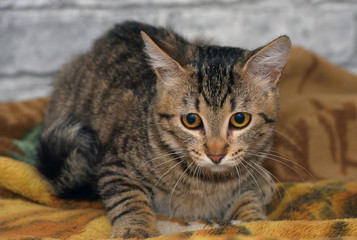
(196, 202)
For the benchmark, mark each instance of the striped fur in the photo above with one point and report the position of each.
(113, 128)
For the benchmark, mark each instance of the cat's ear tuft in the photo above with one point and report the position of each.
(267, 64)
(166, 68)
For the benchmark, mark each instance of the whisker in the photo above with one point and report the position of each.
(198, 174)
(256, 182)
(265, 176)
(286, 159)
(170, 160)
(194, 173)
(277, 152)
(276, 160)
(287, 138)
(152, 190)
(230, 172)
(173, 190)
(239, 180)
(277, 180)
(158, 157)
(297, 164)
(271, 178)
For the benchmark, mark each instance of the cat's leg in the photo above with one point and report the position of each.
(125, 199)
(250, 204)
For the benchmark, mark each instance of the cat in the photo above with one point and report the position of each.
(154, 124)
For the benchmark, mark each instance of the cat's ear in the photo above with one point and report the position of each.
(167, 69)
(266, 65)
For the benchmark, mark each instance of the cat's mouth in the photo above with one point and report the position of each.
(228, 168)
(226, 163)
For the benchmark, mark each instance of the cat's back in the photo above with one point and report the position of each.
(115, 65)
(120, 55)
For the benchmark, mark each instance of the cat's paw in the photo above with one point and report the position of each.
(254, 216)
(248, 213)
(134, 232)
(248, 207)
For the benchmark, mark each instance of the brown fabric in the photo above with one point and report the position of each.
(316, 129)
(17, 118)
(7, 146)
(317, 126)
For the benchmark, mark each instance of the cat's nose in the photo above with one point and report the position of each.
(216, 158)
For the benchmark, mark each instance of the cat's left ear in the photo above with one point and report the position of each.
(167, 69)
(266, 66)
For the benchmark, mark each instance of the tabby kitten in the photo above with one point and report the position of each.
(154, 124)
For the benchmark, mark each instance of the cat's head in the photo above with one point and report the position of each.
(217, 104)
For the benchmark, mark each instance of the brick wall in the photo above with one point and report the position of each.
(38, 36)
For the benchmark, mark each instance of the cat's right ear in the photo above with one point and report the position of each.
(166, 68)
(266, 66)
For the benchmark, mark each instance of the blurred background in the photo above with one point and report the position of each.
(38, 36)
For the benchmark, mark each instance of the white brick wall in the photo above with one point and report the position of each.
(38, 36)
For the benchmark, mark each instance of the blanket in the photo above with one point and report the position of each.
(314, 163)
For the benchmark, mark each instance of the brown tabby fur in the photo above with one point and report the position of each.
(113, 127)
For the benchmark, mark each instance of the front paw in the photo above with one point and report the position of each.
(134, 232)
(251, 216)
(248, 207)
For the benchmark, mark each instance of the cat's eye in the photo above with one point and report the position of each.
(240, 120)
(191, 121)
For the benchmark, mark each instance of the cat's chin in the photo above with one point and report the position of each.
(218, 168)
(219, 172)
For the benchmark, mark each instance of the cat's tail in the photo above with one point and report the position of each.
(68, 152)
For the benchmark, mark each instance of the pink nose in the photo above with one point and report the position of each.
(216, 158)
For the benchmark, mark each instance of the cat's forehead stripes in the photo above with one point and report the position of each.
(197, 104)
(191, 100)
(233, 104)
(216, 74)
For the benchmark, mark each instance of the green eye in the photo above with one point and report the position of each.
(191, 120)
(240, 120)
